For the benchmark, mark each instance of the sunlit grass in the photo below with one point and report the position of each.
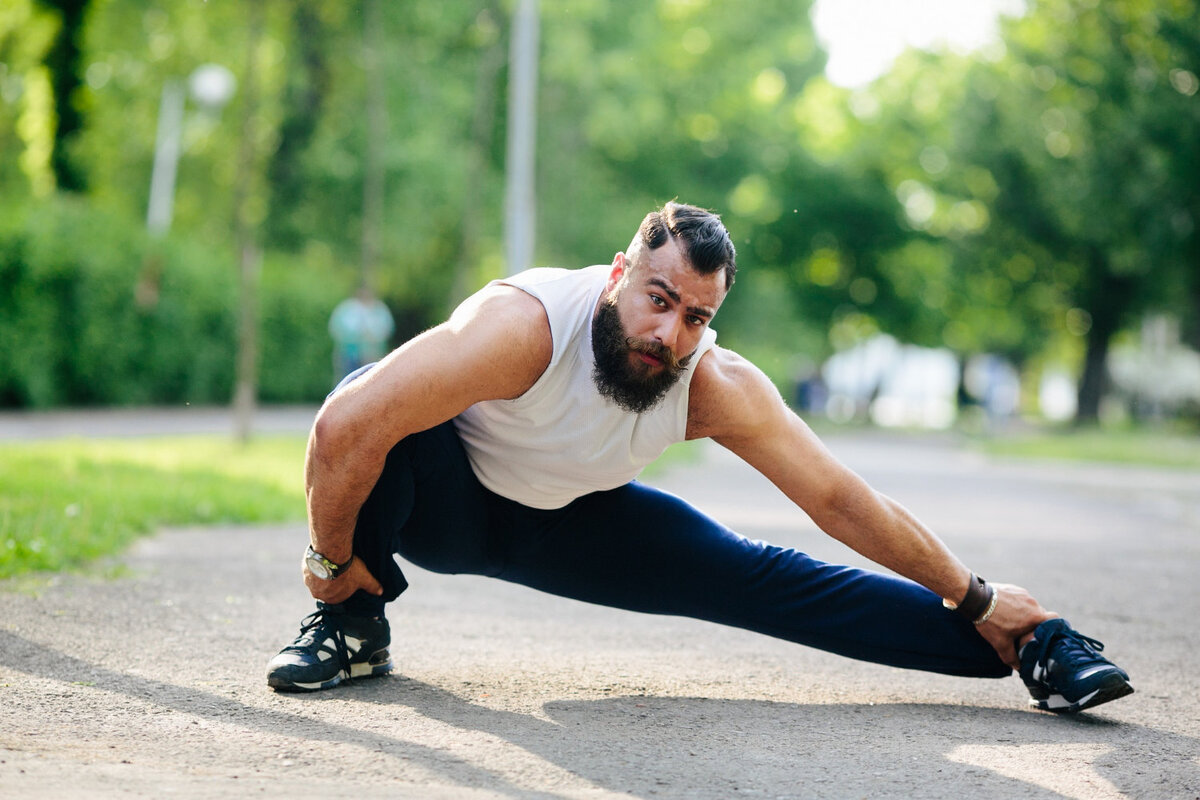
(65, 502)
(677, 455)
(1177, 448)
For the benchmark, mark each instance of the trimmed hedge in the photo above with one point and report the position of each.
(93, 311)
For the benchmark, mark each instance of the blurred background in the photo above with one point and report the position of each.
(979, 214)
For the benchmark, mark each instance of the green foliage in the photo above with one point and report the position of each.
(1049, 187)
(99, 314)
(63, 503)
(710, 103)
(1028, 198)
(296, 351)
(1090, 129)
(96, 312)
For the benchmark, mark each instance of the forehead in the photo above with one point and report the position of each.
(670, 266)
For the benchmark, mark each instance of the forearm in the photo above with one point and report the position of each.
(881, 529)
(887, 533)
(338, 480)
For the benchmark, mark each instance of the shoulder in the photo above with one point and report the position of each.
(730, 397)
(499, 304)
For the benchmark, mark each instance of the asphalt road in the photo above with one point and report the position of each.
(144, 678)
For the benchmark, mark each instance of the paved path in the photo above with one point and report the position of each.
(147, 681)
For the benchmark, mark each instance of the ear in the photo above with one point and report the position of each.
(618, 272)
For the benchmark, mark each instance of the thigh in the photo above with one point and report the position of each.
(428, 507)
(633, 547)
(450, 527)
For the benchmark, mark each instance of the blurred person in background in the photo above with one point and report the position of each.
(361, 326)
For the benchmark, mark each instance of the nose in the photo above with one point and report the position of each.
(667, 332)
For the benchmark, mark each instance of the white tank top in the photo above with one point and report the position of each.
(561, 439)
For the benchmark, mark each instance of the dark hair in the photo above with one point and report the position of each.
(701, 234)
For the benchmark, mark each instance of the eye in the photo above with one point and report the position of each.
(658, 301)
(694, 320)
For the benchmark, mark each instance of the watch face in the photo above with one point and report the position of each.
(317, 567)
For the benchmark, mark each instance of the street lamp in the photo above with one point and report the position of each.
(211, 87)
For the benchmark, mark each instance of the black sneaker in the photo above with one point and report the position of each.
(1064, 671)
(331, 647)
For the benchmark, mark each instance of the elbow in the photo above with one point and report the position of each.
(333, 434)
(347, 434)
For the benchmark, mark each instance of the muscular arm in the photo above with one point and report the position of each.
(495, 345)
(736, 405)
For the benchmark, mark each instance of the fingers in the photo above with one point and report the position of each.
(367, 581)
(1016, 615)
(356, 577)
(1002, 643)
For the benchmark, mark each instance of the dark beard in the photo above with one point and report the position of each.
(619, 379)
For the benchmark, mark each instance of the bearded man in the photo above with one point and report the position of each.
(506, 442)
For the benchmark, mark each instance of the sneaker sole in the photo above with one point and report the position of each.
(1061, 705)
(361, 670)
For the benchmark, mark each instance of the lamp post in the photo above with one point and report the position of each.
(211, 86)
(520, 208)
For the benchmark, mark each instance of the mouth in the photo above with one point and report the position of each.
(647, 358)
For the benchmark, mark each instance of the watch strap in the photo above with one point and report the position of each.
(334, 568)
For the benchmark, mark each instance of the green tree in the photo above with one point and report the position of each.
(1084, 127)
(1049, 188)
(711, 103)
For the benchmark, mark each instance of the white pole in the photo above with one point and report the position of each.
(166, 158)
(520, 209)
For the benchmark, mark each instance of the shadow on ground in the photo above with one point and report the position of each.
(668, 746)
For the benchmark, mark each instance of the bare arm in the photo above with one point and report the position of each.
(737, 406)
(495, 345)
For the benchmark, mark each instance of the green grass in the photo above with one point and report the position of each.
(1150, 447)
(677, 455)
(66, 502)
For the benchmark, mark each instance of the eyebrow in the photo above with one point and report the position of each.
(699, 311)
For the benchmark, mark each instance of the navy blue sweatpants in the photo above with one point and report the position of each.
(643, 549)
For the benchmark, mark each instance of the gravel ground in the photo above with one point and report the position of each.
(144, 677)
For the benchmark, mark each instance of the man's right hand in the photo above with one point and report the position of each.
(338, 590)
(1017, 614)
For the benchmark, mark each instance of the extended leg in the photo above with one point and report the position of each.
(642, 549)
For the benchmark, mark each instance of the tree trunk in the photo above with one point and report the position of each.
(1192, 332)
(63, 60)
(249, 256)
(303, 102)
(1193, 338)
(1095, 376)
(1109, 298)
